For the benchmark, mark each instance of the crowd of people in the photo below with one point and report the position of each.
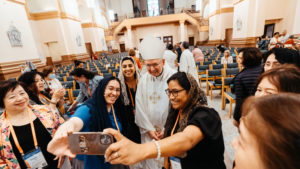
(156, 112)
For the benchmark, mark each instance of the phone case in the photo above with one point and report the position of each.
(89, 143)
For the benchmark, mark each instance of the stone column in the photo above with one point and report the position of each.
(129, 34)
(181, 30)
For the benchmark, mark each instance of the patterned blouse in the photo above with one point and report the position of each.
(50, 119)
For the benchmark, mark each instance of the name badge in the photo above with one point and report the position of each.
(175, 163)
(35, 159)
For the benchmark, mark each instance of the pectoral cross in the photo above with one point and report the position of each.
(154, 98)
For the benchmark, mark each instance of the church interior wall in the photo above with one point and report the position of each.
(38, 6)
(157, 31)
(296, 28)
(74, 36)
(226, 3)
(85, 14)
(52, 31)
(226, 22)
(240, 18)
(14, 14)
(70, 7)
(203, 36)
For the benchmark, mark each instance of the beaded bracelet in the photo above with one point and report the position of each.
(158, 150)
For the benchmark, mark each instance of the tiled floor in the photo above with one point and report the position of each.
(229, 130)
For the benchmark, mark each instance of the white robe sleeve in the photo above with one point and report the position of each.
(183, 66)
(142, 116)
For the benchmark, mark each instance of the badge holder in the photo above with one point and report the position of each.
(175, 163)
(35, 159)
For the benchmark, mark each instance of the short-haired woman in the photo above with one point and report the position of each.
(50, 78)
(285, 78)
(279, 56)
(17, 124)
(269, 133)
(244, 82)
(88, 82)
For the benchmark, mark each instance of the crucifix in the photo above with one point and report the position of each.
(154, 98)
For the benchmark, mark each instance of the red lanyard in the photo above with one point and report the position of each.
(15, 136)
(115, 119)
(172, 132)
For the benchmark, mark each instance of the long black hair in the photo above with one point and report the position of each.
(27, 80)
(99, 116)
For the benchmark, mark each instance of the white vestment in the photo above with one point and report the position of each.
(170, 58)
(152, 108)
(187, 64)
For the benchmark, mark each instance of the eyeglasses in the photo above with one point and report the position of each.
(173, 92)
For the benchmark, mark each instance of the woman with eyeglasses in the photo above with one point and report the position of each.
(193, 133)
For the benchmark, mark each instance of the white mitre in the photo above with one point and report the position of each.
(151, 48)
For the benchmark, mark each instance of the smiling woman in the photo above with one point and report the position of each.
(17, 123)
(193, 134)
(129, 76)
(104, 110)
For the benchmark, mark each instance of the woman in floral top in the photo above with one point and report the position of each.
(17, 122)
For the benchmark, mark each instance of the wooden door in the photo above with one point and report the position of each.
(54, 51)
(122, 47)
(191, 41)
(89, 49)
(228, 36)
(269, 30)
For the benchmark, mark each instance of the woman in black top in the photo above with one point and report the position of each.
(129, 76)
(193, 132)
(244, 83)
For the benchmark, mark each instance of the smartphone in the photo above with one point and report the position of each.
(89, 143)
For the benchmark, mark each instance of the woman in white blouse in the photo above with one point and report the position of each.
(227, 58)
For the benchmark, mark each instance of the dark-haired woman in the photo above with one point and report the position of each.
(34, 85)
(269, 133)
(285, 78)
(250, 58)
(88, 82)
(279, 56)
(193, 132)
(17, 122)
(104, 110)
(129, 76)
(50, 79)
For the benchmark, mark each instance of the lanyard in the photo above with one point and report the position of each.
(15, 136)
(172, 132)
(115, 119)
(89, 90)
(131, 98)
